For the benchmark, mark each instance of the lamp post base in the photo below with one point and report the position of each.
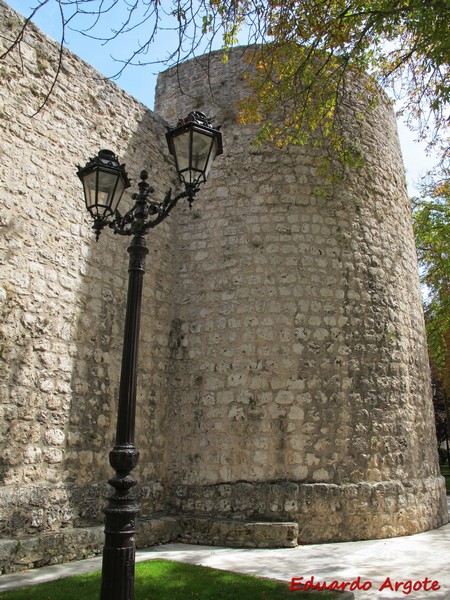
(118, 573)
(120, 517)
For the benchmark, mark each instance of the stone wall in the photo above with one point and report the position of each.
(283, 378)
(300, 374)
(63, 295)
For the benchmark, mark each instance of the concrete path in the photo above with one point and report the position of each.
(424, 558)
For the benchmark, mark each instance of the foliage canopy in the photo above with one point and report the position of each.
(310, 46)
(431, 217)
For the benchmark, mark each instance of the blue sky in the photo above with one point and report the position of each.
(140, 81)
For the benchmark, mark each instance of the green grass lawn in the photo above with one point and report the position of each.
(167, 580)
(445, 470)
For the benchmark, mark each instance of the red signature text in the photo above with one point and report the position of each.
(405, 587)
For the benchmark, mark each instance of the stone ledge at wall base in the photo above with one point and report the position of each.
(67, 545)
(51, 548)
(216, 532)
(238, 534)
(325, 512)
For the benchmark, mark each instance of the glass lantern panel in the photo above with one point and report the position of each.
(212, 155)
(118, 195)
(201, 145)
(181, 146)
(90, 188)
(106, 187)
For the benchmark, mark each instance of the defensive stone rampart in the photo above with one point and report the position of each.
(283, 390)
(63, 295)
(300, 382)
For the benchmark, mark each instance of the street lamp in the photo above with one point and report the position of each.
(194, 144)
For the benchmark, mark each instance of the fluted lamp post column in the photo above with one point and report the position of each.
(194, 143)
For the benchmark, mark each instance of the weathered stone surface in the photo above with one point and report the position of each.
(299, 365)
(283, 365)
(152, 531)
(74, 543)
(66, 545)
(324, 512)
(237, 534)
(62, 295)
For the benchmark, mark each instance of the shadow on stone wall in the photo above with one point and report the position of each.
(96, 372)
(63, 295)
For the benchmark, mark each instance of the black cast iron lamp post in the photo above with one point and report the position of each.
(194, 144)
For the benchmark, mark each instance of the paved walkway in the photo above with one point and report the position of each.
(424, 557)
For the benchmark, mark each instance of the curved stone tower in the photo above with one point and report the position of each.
(300, 384)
